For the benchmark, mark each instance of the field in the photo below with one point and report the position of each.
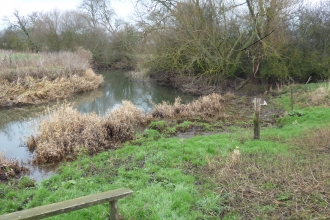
(223, 174)
(27, 78)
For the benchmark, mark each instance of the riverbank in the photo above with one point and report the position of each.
(10, 168)
(226, 175)
(27, 79)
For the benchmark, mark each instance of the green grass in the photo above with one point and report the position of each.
(196, 178)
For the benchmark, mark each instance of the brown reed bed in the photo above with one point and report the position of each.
(16, 66)
(38, 78)
(10, 168)
(66, 133)
(205, 107)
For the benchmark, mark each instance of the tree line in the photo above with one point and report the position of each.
(266, 41)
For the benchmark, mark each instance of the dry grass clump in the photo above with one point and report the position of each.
(17, 66)
(121, 123)
(206, 107)
(320, 96)
(67, 133)
(9, 168)
(36, 91)
(261, 186)
(37, 78)
(317, 141)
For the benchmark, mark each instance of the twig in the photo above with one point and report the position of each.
(309, 79)
(258, 40)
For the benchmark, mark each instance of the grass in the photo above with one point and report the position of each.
(38, 78)
(285, 174)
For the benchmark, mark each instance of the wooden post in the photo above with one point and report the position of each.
(256, 118)
(113, 210)
(291, 99)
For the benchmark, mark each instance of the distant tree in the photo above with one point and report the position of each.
(99, 13)
(26, 25)
(12, 40)
(309, 51)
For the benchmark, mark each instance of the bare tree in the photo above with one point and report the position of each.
(26, 25)
(99, 13)
(267, 17)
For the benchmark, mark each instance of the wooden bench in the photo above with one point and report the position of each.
(40, 212)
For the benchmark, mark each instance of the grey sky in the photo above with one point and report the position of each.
(26, 6)
(122, 7)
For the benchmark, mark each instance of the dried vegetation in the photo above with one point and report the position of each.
(263, 186)
(320, 96)
(63, 132)
(38, 78)
(206, 107)
(66, 133)
(9, 167)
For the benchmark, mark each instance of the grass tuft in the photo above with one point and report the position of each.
(67, 133)
(206, 107)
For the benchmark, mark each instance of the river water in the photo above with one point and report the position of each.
(16, 123)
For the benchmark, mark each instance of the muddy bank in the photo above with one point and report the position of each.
(10, 168)
(204, 86)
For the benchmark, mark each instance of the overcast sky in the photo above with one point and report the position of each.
(122, 7)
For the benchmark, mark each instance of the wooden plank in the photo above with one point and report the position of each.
(68, 206)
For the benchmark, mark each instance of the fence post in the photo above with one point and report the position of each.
(256, 118)
(291, 99)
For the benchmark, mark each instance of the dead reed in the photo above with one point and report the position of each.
(17, 66)
(36, 91)
(206, 107)
(66, 133)
(63, 133)
(9, 168)
(40, 78)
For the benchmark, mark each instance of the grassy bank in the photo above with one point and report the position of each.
(285, 174)
(38, 78)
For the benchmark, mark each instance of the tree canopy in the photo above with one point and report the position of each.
(266, 41)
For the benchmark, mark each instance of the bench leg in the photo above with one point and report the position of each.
(113, 210)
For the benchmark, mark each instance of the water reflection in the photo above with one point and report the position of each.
(16, 123)
(118, 88)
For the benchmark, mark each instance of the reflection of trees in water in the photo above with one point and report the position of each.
(142, 94)
(13, 122)
(41, 172)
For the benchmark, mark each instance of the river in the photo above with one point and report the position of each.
(16, 123)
